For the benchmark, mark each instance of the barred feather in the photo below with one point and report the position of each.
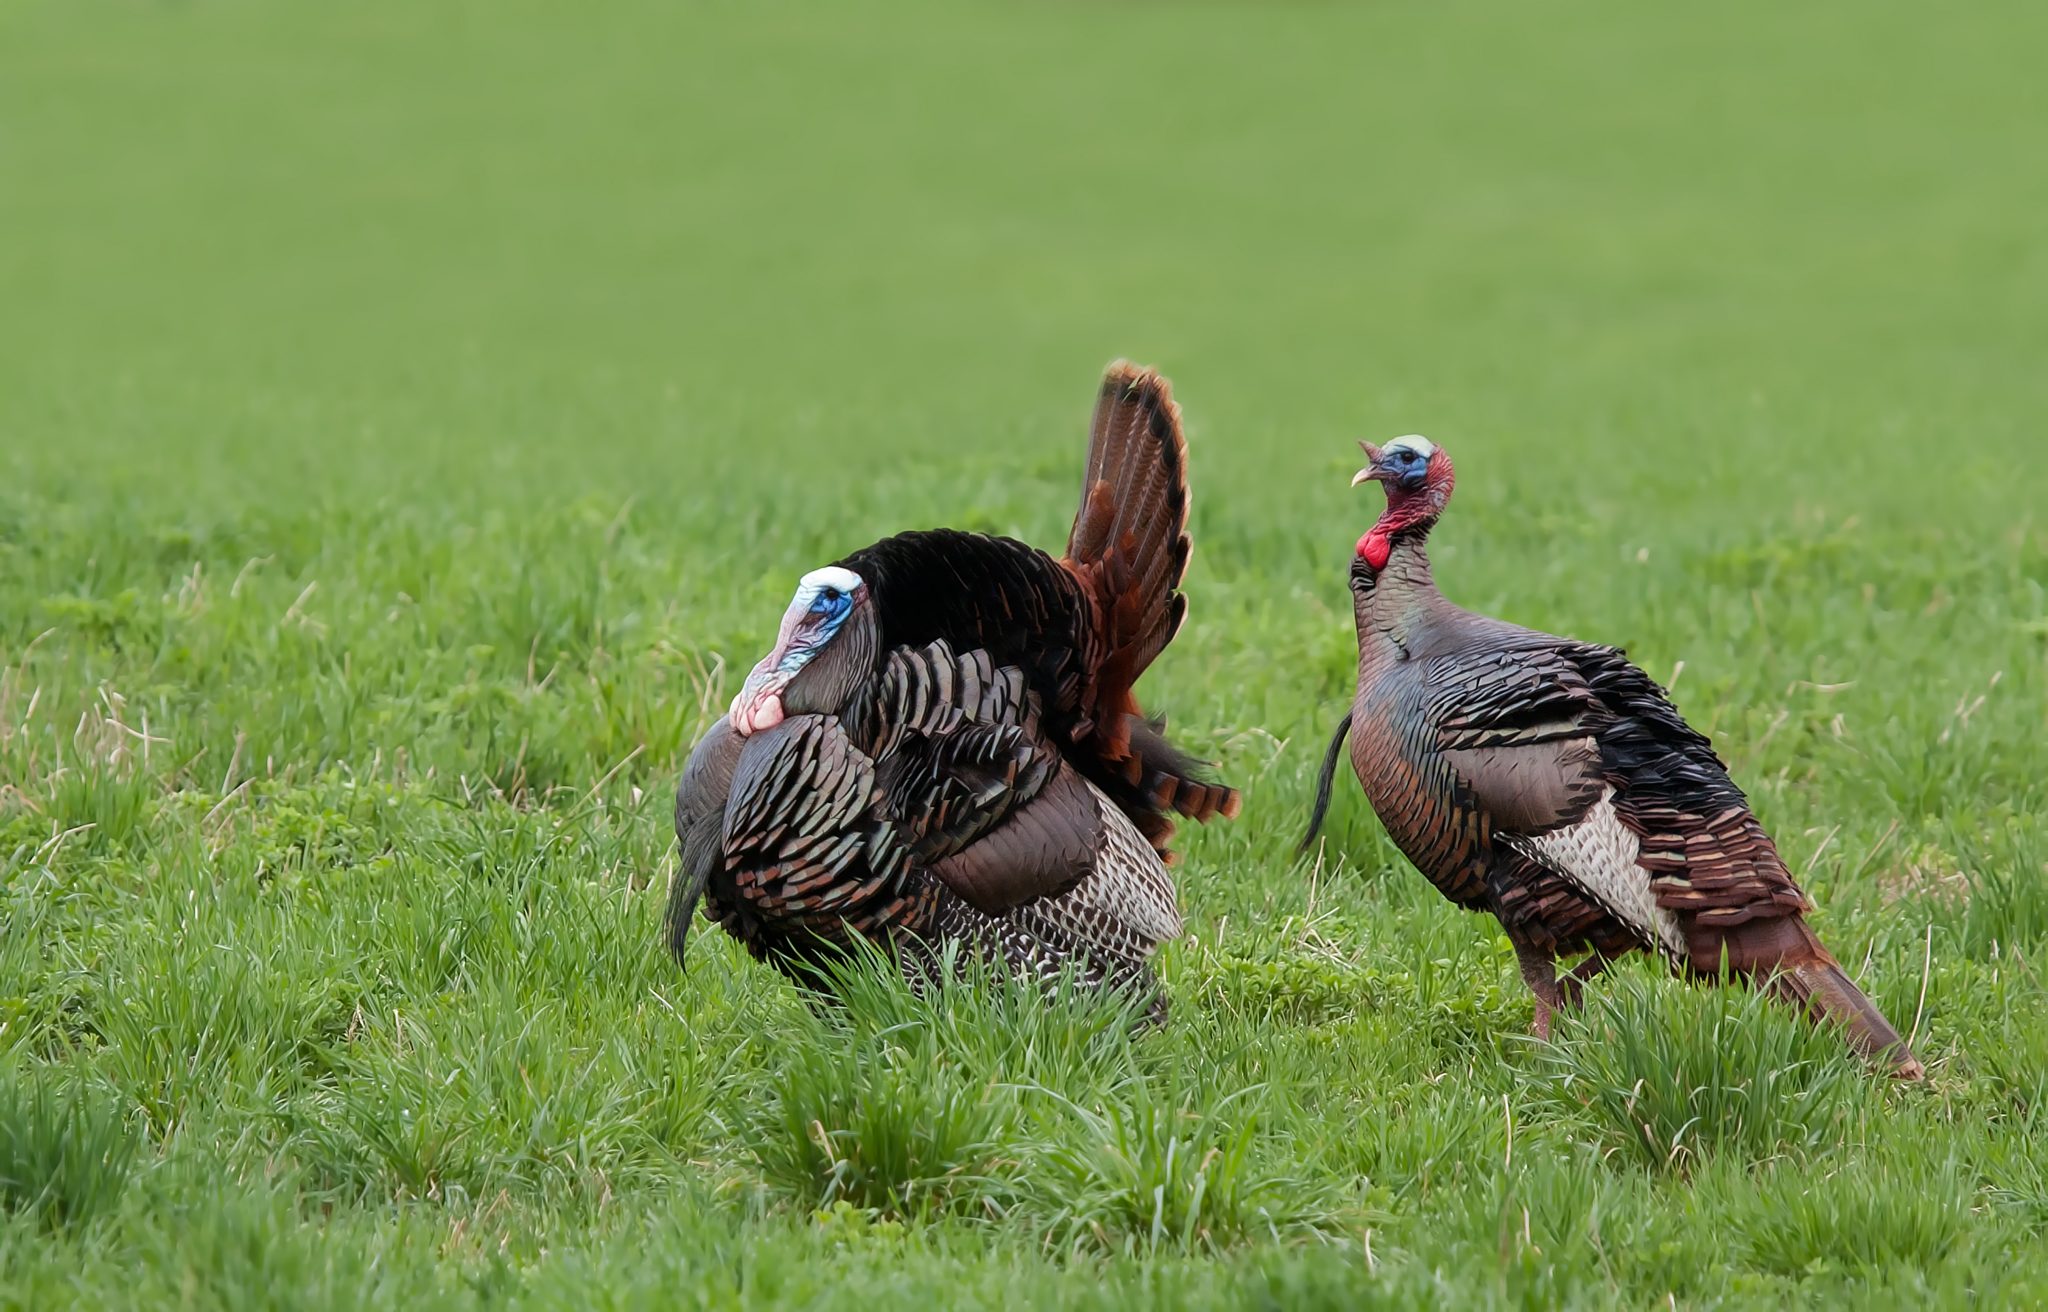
(1554, 784)
(989, 779)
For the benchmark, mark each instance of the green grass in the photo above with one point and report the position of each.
(413, 417)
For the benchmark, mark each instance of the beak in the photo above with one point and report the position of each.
(1372, 473)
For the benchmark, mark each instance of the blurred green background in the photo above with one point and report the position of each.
(614, 240)
(412, 415)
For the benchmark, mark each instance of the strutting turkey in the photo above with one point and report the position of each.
(943, 747)
(1554, 784)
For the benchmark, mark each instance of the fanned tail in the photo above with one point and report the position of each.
(1129, 548)
(1130, 535)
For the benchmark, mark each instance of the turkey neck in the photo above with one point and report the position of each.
(1395, 607)
(854, 679)
(843, 674)
(858, 710)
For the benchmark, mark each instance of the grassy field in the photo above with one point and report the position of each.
(414, 416)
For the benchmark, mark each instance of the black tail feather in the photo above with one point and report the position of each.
(1172, 780)
(685, 891)
(1324, 782)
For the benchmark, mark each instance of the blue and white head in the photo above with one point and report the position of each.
(820, 655)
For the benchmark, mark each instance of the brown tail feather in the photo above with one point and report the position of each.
(1129, 548)
(1825, 991)
(1787, 953)
(1173, 780)
(1130, 534)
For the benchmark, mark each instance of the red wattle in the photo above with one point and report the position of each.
(1376, 546)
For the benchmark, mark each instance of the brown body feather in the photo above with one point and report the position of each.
(992, 779)
(1554, 784)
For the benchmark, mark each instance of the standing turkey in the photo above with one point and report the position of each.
(1554, 784)
(942, 746)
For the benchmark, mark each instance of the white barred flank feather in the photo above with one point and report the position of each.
(1130, 883)
(1598, 856)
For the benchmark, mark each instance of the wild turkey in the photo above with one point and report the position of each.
(1554, 784)
(942, 746)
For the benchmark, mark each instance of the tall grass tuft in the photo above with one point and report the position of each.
(67, 1152)
(1157, 1170)
(996, 1098)
(1855, 1214)
(107, 807)
(1676, 1074)
(876, 1107)
(2006, 904)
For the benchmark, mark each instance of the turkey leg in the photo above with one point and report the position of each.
(1572, 988)
(1539, 972)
